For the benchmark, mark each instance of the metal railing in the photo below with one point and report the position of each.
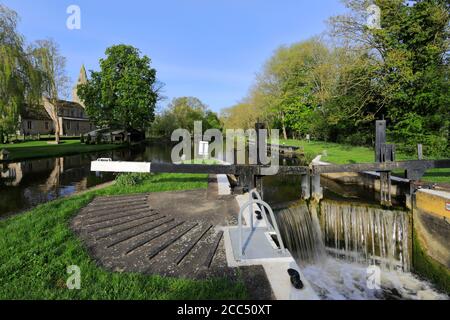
(271, 224)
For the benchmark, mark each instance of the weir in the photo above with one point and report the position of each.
(356, 233)
(367, 235)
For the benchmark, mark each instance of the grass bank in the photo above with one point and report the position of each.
(37, 247)
(41, 149)
(343, 154)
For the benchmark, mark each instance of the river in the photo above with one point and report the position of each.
(26, 184)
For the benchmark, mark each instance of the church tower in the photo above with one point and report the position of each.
(82, 79)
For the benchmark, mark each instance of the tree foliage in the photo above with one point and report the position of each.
(48, 60)
(182, 112)
(243, 115)
(335, 91)
(20, 82)
(289, 83)
(124, 92)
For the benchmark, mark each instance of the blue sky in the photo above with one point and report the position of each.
(210, 49)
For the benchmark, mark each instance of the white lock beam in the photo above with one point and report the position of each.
(120, 166)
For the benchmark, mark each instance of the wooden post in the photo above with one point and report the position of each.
(380, 139)
(258, 128)
(257, 180)
(383, 153)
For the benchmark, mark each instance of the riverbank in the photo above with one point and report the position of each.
(36, 248)
(42, 149)
(343, 154)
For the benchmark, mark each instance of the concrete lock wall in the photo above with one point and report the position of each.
(431, 236)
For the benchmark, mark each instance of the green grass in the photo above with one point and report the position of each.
(37, 247)
(343, 154)
(41, 149)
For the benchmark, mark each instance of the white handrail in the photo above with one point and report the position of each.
(263, 209)
(272, 216)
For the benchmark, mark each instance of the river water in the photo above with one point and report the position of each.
(334, 243)
(26, 184)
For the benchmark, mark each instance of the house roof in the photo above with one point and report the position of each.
(34, 113)
(39, 112)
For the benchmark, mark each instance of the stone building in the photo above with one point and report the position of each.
(35, 120)
(71, 116)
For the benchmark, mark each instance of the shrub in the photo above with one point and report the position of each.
(434, 146)
(130, 179)
(99, 138)
(360, 138)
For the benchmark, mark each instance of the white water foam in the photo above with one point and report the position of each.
(335, 279)
(356, 237)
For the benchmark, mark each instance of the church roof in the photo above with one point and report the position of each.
(82, 77)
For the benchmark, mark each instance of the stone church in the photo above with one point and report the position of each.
(71, 116)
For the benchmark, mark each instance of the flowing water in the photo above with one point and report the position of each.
(337, 244)
(366, 234)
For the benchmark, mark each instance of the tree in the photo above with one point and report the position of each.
(164, 124)
(288, 88)
(243, 115)
(410, 56)
(182, 112)
(348, 101)
(124, 92)
(47, 58)
(20, 82)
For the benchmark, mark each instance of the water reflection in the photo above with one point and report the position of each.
(281, 190)
(28, 183)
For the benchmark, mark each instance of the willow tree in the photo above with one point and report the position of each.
(51, 64)
(20, 82)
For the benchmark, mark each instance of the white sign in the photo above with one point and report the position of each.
(203, 148)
